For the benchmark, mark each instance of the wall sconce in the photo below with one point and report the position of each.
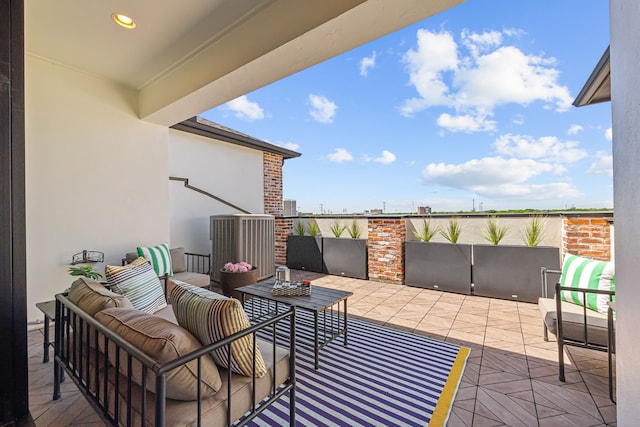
(87, 256)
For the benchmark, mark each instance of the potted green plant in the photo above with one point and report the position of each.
(345, 257)
(452, 232)
(513, 271)
(85, 270)
(304, 252)
(494, 232)
(438, 265)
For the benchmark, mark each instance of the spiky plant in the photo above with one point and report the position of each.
(354, 230)
(452, 232)
(534, 233)
(299, 228)
(314, 230)
(337, 228)
(494, 232)
(427, 232)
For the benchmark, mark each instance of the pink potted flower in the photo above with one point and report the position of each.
(235, 275)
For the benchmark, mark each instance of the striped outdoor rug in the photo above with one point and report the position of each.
(383, 377)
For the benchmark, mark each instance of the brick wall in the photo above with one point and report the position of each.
(284, 228)
(272, 171)
(589, 237)
(386, 249)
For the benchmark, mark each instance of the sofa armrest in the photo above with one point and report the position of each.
(198, 263)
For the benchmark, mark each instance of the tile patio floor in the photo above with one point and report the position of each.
(511, 378)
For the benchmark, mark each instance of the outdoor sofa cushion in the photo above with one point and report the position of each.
(93, 297)
(139, 283)
(183, 413)
(159, 257)
(578, 272)
(211, 317)
(163, 341)
(573, 321)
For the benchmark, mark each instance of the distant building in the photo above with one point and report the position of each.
(290, 208)
(424, 210)
(375, 211)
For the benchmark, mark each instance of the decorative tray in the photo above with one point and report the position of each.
(292, 289)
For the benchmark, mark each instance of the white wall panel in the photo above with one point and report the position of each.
(97, 176)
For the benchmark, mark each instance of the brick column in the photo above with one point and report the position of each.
(272, 172)
(386, 249)
(589, 237)
(284, 228)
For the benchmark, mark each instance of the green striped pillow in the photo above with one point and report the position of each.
(159, 257)
(139, 283)
(211, 317)
(578, 272)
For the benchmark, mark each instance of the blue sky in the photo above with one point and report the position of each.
(471, 104)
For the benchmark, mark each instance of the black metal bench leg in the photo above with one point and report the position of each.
(45, 358)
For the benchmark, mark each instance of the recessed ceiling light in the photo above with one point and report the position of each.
(123, 20)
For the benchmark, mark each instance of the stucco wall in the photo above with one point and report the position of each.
(96, 175)
(228, 171)
(625, 104)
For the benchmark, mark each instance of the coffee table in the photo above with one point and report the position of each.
(321, 301)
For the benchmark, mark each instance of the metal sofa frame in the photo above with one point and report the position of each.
(75, 329)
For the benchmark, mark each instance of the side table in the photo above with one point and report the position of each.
(48, 308)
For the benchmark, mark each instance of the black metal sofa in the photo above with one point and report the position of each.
(128, 387)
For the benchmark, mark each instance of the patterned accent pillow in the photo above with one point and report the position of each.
(139, 283)
(159, 257)
(578, 272)
(211, 317)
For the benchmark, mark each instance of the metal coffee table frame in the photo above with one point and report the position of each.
(322, 300)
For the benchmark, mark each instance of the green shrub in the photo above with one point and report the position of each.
(534, 233)
(299, 228)
(494, 233)
(337, 228)
(354, 230)
(314, 230)
(452, 232)
(427, 232)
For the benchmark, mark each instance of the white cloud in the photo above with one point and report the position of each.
(609, 134)
(488, 76)
(477, 43)
(322, 109)
(602, 166)
(546, 148)
(518, 119)
(289, 145)
(366, 63)
(245, 109)
(574, 129)
(340, 155)
(466, 123)
(497, 177)
(386, 158)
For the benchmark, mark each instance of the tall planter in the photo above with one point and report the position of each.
(345, 257)
(230, 281)
(512, 272)
(305, 253)
(441, 266)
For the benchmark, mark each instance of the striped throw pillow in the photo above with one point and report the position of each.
(578, 272)
(211, 317)
(159, 257)
(139, 283)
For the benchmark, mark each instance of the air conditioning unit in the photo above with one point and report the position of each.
(241, 237)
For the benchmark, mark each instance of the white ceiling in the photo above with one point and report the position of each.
(186, 57)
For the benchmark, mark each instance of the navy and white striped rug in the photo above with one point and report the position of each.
(383, 377)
